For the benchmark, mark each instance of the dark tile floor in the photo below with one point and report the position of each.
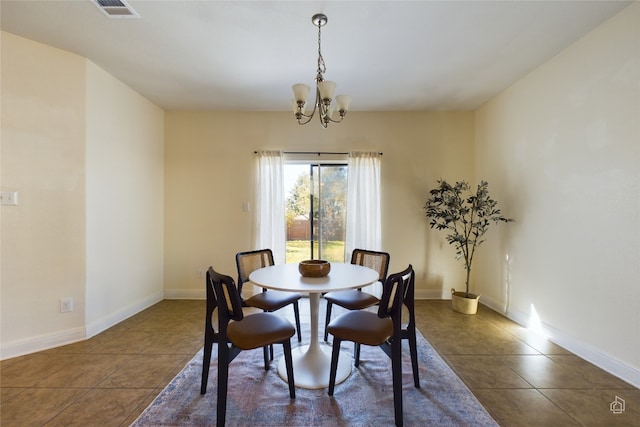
(521, 378)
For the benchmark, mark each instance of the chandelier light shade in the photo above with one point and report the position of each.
(324, 104)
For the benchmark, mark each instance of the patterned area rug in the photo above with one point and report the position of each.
(260, 398)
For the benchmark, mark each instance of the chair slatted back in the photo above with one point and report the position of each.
(378, 261)
(409, 295)
(212, 304)
(248, 262)
(227, 297)
(394, 290)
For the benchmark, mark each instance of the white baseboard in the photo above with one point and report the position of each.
(185, 294)
(432, 294)
(105, 322)
(596, 356)
(70, 336)
(41, 342)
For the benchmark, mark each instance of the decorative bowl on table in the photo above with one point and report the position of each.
(314, 268)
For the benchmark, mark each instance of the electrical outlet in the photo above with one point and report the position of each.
(66, 305)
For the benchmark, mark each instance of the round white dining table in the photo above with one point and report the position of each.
(311, 363)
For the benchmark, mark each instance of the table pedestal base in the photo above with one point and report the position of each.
(311, 366)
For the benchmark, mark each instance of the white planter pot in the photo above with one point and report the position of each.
(463, 304)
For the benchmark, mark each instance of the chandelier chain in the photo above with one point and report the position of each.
(322, 68)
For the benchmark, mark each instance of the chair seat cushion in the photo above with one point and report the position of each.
(259, 330)
(363, 327)
(352, 299)
(272, 300)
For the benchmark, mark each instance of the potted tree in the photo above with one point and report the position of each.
(466, 216)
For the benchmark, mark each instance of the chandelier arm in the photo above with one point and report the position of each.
(336, 121)
(323, 110)
(315, 103)
(306, 115)
(310, 115)
(300, 122)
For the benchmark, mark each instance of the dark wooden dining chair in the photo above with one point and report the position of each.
(244, 333)
(383, 329)
(211, 336)
(269, 301)
(358, 299)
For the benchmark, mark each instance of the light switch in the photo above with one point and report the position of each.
(9, 198)
(245, 206)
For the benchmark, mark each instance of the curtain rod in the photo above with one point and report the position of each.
(312, 152)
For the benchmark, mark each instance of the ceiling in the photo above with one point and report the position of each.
(245, 55)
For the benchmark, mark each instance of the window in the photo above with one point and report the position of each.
(330, 205)
(315, 210)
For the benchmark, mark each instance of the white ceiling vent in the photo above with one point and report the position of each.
(116, 9)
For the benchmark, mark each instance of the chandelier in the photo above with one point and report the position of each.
(324, 90)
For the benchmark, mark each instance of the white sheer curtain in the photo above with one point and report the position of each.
(363, 229)
(269, 209)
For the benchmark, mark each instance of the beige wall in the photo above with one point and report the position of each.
(209, 172)
(43, 238)
(85, 154)
(125, 198)
(561, 148)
